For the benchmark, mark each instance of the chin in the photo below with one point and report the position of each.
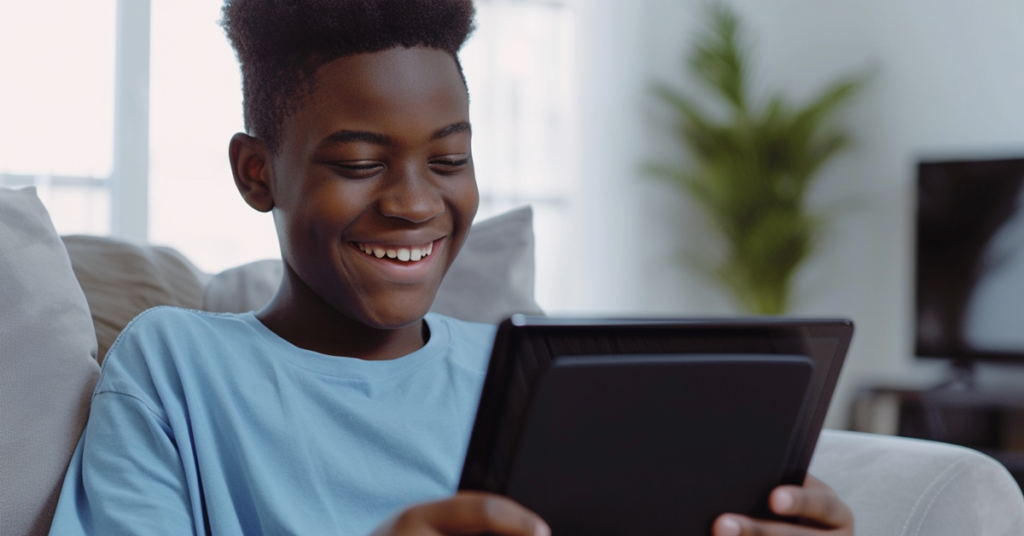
(399, 313)
(391, 322)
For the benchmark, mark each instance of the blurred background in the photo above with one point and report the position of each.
(120, 113)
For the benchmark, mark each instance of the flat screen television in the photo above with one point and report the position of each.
(970, 260)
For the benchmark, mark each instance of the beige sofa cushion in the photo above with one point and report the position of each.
(47, 365)
(121, 280)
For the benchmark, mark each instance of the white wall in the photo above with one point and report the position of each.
(949, 81)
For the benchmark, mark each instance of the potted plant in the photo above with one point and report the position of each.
(752, 166)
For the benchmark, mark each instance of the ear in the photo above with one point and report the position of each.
(250, 165)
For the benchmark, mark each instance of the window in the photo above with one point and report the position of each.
(57, 107)
(521, 69)
(196, 105)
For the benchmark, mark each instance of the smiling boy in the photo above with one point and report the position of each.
(342, 407)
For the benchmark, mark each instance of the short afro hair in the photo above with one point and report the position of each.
(281, 43)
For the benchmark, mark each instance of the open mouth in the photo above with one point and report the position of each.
(407, 254)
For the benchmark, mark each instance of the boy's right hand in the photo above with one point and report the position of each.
(468, 512)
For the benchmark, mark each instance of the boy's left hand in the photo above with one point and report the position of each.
(818, 508)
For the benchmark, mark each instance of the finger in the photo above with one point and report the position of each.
(737, 525)
(477, 513)
(815, 502)
(811, 482)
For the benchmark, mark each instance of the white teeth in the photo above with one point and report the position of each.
(400, 253)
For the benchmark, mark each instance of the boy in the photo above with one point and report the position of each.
(342, 406)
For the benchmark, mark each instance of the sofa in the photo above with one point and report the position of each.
(63, 300)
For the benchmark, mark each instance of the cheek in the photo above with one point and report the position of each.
(299, 237)
(336, 202)
(466, 198)
(317, 219)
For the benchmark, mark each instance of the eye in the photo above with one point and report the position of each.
(358, 170)
(449, 164)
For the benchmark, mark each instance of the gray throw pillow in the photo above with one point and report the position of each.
(492, 278)
(47, 364)
(907, 487)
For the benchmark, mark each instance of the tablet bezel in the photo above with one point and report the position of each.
(525, 346)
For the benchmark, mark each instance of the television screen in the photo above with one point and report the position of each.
(970, 260)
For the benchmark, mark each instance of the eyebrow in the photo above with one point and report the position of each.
(453, 128)
(376, 138)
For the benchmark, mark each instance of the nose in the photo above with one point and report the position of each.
(412, 195)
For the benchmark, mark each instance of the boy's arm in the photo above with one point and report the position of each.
(126, 476)
(815, 504)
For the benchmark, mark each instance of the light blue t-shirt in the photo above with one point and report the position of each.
(208, 423)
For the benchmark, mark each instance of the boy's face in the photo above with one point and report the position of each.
(377, 164)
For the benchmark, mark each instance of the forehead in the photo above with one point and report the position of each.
(401, 91)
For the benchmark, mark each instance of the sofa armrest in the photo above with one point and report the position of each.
(907, 487)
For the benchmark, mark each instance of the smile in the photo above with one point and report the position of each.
(401, 253)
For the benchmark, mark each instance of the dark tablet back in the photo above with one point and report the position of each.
(656, 444)
(633, 426)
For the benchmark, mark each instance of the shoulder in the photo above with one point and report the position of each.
(158, 344)
(460, 329)
(164, 320)
(173, 329)
(469, 343)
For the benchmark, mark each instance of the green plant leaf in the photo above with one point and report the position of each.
(718, 57)
(751, 170)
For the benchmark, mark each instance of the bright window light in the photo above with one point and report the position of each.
(521, 69)
(56, 107)
(195, 107)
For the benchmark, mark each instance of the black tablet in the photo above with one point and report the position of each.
(614, 427)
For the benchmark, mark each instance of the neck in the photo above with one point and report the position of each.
(300, 316)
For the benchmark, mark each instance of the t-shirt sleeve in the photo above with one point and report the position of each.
(126, 475)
